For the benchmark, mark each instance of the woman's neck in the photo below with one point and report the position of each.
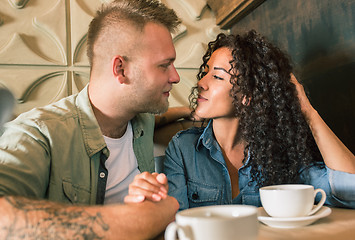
(228, 137)
(226, 131)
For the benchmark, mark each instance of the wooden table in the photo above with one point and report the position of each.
(339, 225)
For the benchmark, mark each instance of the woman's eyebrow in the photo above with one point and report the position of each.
(222, 69)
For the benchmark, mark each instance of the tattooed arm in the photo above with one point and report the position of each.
(23, 218)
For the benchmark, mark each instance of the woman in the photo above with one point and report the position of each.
(262, 131)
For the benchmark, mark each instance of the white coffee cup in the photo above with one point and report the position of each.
(222, 222)
(290, 200)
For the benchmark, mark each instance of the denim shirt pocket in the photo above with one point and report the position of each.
(251, 198)
(75, 193)
(201, 194)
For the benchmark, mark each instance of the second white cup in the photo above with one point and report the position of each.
(223, 222)
(290, 200)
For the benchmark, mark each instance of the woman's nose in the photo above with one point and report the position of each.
(201, 84)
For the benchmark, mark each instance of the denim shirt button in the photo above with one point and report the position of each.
(195, 196)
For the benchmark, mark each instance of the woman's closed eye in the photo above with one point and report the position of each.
(217, 77)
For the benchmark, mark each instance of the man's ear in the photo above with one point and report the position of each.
(118, 68)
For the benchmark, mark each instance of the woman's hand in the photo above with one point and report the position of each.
(306, 106)
(335, 154)
(147, 186)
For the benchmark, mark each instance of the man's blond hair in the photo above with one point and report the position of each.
(120, 17)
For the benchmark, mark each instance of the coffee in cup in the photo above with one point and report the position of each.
(290, 200)
(222, 222)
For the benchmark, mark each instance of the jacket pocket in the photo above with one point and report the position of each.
(201, 194)
(75, 193)
(251, 198)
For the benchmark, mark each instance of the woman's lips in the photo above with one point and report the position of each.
(201, 98)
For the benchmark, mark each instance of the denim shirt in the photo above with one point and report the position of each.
(198, 175)
(57, 152)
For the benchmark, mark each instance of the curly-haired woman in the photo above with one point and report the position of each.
(262, 130)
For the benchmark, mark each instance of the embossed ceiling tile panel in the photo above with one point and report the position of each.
(18, 3)
(81, 14)
(192, 58)
(34, 87)
(181, 91)
(79, 80)
(17, 51)
(24, 83)
(53, 24)
(19, 32)
(200, 28)
(194, 8)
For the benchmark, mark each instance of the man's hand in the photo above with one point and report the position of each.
(147, 186)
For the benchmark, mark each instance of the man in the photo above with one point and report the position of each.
(87, 148)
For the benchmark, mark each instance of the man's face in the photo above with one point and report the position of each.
(152, 70)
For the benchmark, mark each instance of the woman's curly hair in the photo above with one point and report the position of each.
(277, 135)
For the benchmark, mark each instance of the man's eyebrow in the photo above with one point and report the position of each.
(169, 60)
(222, 69)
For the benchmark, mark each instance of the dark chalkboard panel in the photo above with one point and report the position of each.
(319, 35)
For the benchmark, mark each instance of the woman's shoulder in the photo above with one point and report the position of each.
(189, 135)
(190, 132)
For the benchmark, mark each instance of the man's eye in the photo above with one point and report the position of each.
(165, 65)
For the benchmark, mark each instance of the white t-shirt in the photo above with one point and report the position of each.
(122, 166)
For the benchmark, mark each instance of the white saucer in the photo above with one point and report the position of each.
(292, 222)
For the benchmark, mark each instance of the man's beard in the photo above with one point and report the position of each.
(157, 108)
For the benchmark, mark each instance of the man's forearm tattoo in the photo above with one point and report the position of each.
(51, 221)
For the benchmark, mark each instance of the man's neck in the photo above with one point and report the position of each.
(113, 127)
(112, 120)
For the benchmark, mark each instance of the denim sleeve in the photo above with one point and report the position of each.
(174, 170)
(339, 186)
(342, 187)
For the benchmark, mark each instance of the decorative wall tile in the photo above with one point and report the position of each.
(43, 47)
(18, 3)
(53, 24)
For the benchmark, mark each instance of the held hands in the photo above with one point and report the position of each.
(147, 186)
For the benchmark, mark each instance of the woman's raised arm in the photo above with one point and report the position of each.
(335, 154)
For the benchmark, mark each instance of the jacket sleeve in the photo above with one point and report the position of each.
(339, 186)
(174, 169)
(24, 160)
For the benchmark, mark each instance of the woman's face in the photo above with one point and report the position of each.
(214, 100)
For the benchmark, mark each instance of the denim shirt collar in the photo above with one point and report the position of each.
(207, 137)
(208, 140)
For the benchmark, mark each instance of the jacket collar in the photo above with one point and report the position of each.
(94, 141)
(208, 140)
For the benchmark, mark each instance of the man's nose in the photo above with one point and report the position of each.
(174, 77)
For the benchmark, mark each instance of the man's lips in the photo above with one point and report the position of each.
(167, 93)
